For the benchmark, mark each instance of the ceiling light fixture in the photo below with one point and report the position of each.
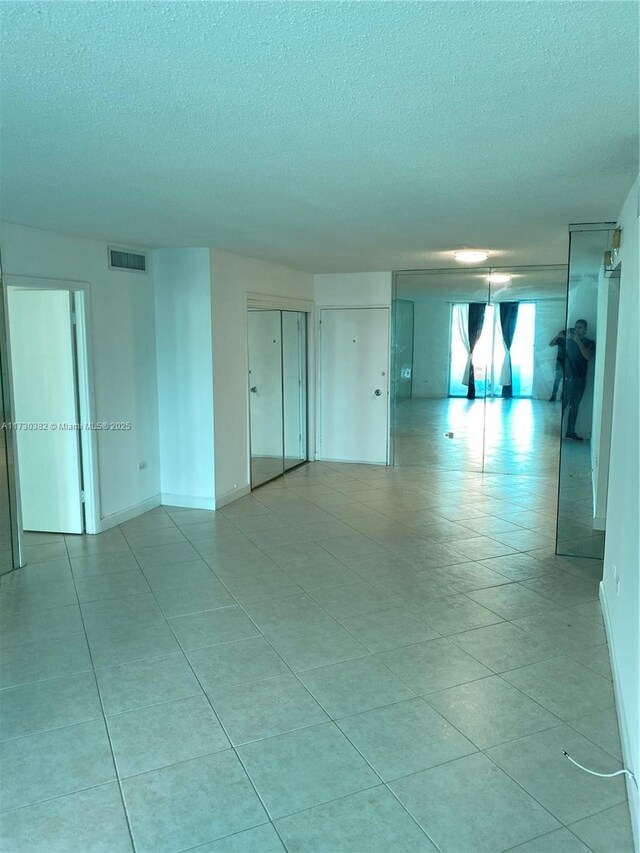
(471, 256)
(499, 278)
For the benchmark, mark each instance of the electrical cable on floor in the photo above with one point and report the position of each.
(602, 775)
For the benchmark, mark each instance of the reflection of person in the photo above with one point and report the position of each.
(578, 351)
(560, 342)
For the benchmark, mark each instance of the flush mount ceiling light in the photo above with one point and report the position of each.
(471, 256)
(499, 278)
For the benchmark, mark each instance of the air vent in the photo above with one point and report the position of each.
(121, 259)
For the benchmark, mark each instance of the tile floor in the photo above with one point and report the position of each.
(350, 659)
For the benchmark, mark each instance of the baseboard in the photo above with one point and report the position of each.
(130, 512)
(233, 495)
(632, 791)
(350, 461)
(187, 501)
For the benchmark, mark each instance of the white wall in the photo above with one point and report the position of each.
(182, 284)
(355, 290)
(232, 278)
(432, 330)
(622, 608)
(603, 384)
(122, 332)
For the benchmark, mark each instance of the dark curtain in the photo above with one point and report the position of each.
(508, 320)
(476, 321)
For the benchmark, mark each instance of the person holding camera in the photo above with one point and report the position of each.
(578, 350)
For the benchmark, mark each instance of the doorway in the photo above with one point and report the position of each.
(278, 398)
(52, 426)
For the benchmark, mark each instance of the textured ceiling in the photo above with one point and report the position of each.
(330, 137)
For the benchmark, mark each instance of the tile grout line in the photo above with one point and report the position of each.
(104, 717)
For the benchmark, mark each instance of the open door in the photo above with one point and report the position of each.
(43, 366)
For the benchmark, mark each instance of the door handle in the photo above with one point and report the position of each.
(254, 389)
(377, 392)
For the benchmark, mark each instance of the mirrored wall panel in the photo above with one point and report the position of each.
(586, 346)
(523, 412)
(440, 383)
(277, 350)
(483, 393)
(265, 395)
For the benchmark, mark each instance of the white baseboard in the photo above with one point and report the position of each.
(130, 512)
(350, 461)
(632, 791)
(233, 495)
(187, 501)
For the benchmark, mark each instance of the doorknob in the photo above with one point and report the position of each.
(254, 389)
(377, 392)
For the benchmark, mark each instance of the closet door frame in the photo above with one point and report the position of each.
(268, 302)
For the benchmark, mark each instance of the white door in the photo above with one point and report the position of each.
(44, 386)
(354, 394)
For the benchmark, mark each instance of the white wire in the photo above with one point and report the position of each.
(602, 775)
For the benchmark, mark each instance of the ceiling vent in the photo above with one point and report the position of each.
(124, 259)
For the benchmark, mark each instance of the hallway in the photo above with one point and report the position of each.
(352, 658)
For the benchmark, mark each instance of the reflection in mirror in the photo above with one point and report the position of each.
(265, 395)
(438, 417)
(585, 347)
(482, 373)
(294, 386)
(522, 434)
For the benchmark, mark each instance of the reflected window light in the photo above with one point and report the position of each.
(489, 353)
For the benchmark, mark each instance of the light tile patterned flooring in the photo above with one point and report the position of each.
(350, 659)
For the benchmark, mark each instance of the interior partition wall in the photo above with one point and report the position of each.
(587, 342)
(278, 395)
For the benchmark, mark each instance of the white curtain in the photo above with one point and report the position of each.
(505, 372)
(462, 314)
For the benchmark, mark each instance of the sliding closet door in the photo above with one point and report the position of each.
(277, 392)
(265, 395)
(294, 386)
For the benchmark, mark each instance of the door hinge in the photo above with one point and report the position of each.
(83, 497)
(74, 318)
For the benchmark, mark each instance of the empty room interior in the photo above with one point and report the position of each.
(320, 469)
